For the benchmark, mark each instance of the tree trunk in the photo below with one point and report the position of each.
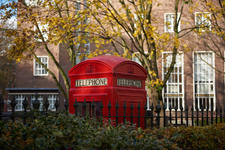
(155, 96)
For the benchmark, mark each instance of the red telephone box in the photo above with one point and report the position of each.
(109, 79)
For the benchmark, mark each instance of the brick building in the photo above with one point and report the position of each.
(194, 80)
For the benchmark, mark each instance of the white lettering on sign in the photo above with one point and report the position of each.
(129, 83)
(91, 82)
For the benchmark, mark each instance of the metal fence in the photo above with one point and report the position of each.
(156, 116)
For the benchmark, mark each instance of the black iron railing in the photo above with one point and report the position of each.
(156, 116)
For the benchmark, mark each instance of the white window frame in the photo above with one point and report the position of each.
(34, 66)
(19, 102)
(31, 2)
(136, 19)
(171, 30)
(135, 59)
(203, 19)
(44, 34)
(35, 3)
(52, 99)
(39, 98)
(77, 6)
(174, 97)
(78, 60)
(204, 96)
(147, 99)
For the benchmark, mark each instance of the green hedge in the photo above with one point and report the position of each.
(67, 132)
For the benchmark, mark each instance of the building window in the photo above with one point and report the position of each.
(35, 3)
(84, 50)
(31, 2)
(203, 21)
(204, 80)
(40, 99)
(44, 32)
(39, 69)
(173, 92)
(77, 6)
(135, 58)
(31, 98)
(169, 22)
(138, 18)
(19, 102)
(52, 100)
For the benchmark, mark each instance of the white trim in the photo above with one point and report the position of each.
(137, 19)
(31, 2)
(44, 34)
(34, 66)
(78, 60)
(177, 95)
(209, 94)
(165, 24)
(148, 102)
(19, 100)
(52, 97)
(210, 16)
(77, 6)
(40, 98)
(136, 59)
(33, 93)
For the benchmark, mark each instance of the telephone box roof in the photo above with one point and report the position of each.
(109, 61)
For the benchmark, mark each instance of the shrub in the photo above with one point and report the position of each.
(68, 132)
(208, 137)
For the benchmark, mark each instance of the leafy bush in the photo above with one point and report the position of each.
(209, 137)
(68, 132)
(194, 138)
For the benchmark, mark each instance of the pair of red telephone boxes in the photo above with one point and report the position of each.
(113, 80)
